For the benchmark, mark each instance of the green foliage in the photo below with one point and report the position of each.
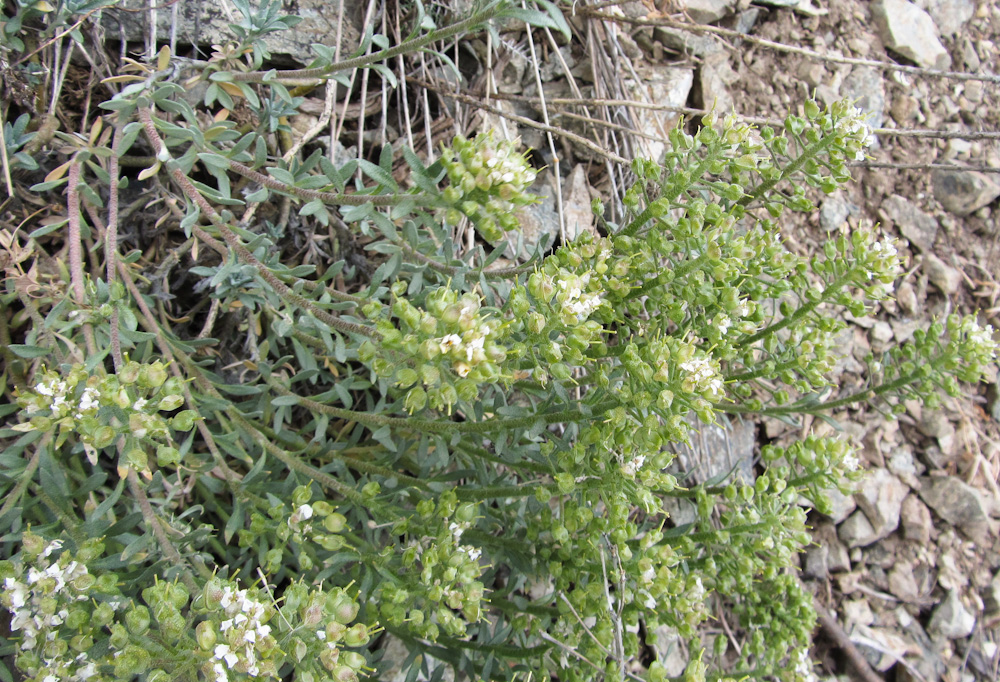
(475, 459)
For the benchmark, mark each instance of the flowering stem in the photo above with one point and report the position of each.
(668, 275)
(801, 312)
(798, 408)
(810, 152)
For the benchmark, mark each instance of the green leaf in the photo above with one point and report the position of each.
(378, 174)
(27, 351)
(285, 400)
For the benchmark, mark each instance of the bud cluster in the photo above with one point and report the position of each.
(488, 180)
(101, 409)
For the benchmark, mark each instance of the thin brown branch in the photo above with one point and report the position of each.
(833, 630)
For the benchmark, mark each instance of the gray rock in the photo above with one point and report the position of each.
(687, 43)
(835, 211)
(951, 619)
(816, 564)
(909, 31)
(206, 23)
(915, 518)
(944, 277)
(919, 228)
(715, 450)
(396, 653)
(881, 647)
(667, 85)
(539, 222)
(857, 531)
(937, 425)
(865, 84)
(902, 463)
(576, 204)
(991, 596)
(714, 78)
(959, 504)
(670, 650)
(707, 11)
(835, 558)
(902, 583)
(926, 663)
(963, 192)
(880, 496)
(949, 15)
(841, 505)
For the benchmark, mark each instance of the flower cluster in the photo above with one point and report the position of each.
(489, 180)
(852, 122)
(453, 345)
(450, 595)
(101, 409)
(53, 613)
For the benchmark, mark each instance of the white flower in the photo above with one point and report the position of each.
(88, 401)
(52, 547)
(44, 389)
(450, 341)
(851, 462)
(723, 323)
(139, 404)
(305, 512)
(224, 653)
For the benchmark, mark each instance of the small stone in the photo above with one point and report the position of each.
(974, 91)
(835, 557)
(881, 647)
(902, 464)
(707, 11)
(857, 531)
(668, 85)
(841, 505)
(919, 228)
(937, 425)
(909, 31)
(949, 15)
(576, 204)
(835, 211)
(816, 562)
(904, 108)
(906, 297)
(902, 583)
(812, 73)
(951, 619)
(714, 78)
(945, 277)
(669, 647)
(962, 192)
(866, 87)
(687, 43)
(857, 612)
(880, 496)
(959, 504)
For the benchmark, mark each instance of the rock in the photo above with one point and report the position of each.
(667, 85)
(926, 664)
(865, 85)
(909, 31)
(669, 647)
(857, 531)
(206, 23)
(396, 654)
(951, 619)
(835, 211)
(687, 43)
(539, 222)
(963, 192)
(902, 464)
(857, 612)
(937, 425)
(902, 583)
(725, 448)
(881, 647)
(707, 11)
(576, 204)
(816, 565)
(714, 78)
(841, 505)
(991, 596)
(915, 518)
(834, 558)
(944, 277)
(959, 504)
(919, 228)
(880, 496)
(949, 15)
(906, 297)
